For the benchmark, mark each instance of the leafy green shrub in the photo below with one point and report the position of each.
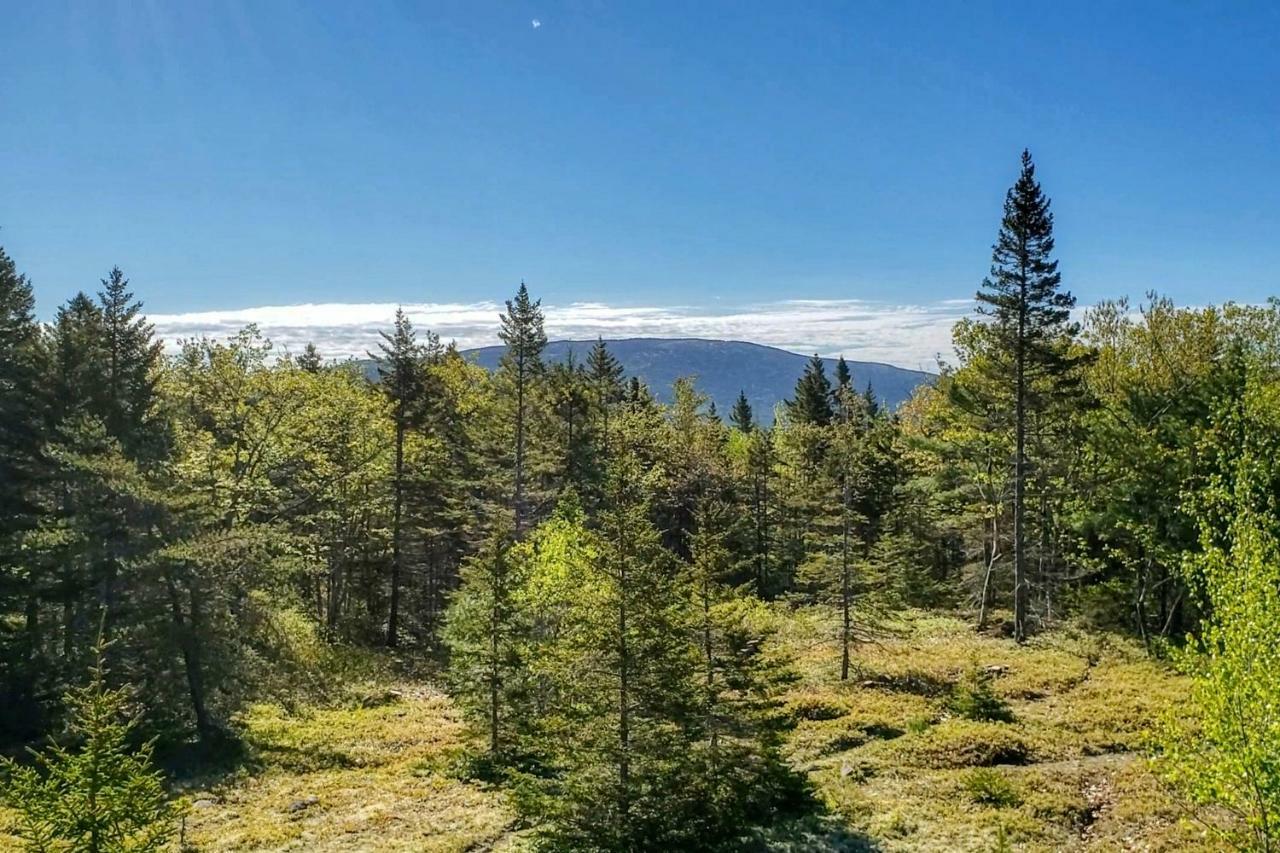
(103, 797)
(989, 787)
(1227, 754)
(919, 725)
(974, 699)
(815, 709)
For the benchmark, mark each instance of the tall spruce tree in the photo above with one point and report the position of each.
(486, 629)
(132, 362)
(525, 338)
(741, 416)
(400, 368)
(21, 466)
(1030, 315)
(812, 401)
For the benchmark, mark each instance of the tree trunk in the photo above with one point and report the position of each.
(844, 587)
(189, 645)
(518, 508)
(624, 688)
(1019, 471)
(393, 617)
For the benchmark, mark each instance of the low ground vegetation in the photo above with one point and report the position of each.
(892, 766)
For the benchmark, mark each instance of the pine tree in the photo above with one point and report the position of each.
(811, 403)
(571, 393)
(22, 470)
(1030, 316)
(844, 378)
(741, 416)
(400, 368)
(522, 332)
(486, 629)
(620, 667)
(132, 362)
(871, 401)
(101, 798)
(310, 360)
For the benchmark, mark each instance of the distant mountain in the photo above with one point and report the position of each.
(723, 368)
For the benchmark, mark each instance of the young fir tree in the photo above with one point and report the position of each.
(22, 464)
(811, 403)
(523, 334)
(741, 416)
(400, 369)
(486, 628)
(1030, 316)
(620, 666)
(101, 797)
(740, 674)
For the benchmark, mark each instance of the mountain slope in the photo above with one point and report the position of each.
(723, 368)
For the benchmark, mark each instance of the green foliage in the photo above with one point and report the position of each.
(100, 797)
(811, 403)
(988, 786)
(487, 632)
(1223, 748)
(974, 698)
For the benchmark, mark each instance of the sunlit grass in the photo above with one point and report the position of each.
(892, 762)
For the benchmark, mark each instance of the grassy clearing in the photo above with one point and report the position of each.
(357, 778)
(891, 755)
(895, 764)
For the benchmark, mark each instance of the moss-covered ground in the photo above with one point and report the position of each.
(895, 760)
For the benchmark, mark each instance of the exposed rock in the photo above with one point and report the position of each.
(302, 804)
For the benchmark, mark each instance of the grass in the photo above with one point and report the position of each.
(944, 739)
(357, 778)
(997, 746)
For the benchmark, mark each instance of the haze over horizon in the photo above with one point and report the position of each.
(911, 336)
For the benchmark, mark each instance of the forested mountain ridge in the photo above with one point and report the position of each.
(723, 369)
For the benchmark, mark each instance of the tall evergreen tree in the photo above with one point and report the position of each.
(400, 368)
(844, 377)
(742, 416)
(1030, 315)
(811, 403)
(486, 629)
(571, 394)
(21, 471)
(525, 338)
(132, 361)
(606, 374)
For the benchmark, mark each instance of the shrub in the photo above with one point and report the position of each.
(989, 787)
(974, 699)
(964, 743)
(815, 709)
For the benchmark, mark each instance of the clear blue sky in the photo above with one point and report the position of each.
(254, 152)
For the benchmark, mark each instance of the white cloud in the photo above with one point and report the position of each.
(536, 23)
(906, 335)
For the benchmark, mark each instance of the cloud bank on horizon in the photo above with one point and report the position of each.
(912, 336)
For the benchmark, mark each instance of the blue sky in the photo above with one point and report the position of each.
(701, 155)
